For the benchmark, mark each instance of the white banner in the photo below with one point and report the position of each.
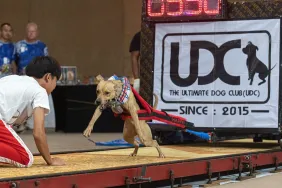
(219, 74)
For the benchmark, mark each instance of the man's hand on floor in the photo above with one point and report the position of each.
(57, 162)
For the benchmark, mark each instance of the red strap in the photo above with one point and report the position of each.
(163, 113)
(169, 122)
(145, 105)
(148, 110)
(148, 118)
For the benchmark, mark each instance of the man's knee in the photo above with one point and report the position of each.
(30, 162)
(25, 163)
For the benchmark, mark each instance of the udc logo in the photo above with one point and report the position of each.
(229, 67)
(253, 64)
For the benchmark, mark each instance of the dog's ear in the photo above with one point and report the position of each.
(256, 47)
(99, 78)
(117, 83)
(118, 86)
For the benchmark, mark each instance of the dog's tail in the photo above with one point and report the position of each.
(268, 73)
(156, 101)
(273, 67)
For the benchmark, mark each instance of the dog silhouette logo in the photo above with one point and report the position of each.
(254, 65)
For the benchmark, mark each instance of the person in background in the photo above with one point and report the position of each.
(7, 51)
(134, 50)
(29, 48)
(26, 50)
(23, 97)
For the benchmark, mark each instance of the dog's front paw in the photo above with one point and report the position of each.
(161, 155)
(133, 154)
(88, 131)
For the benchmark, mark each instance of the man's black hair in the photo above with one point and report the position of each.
(42, 65)
(3, 24)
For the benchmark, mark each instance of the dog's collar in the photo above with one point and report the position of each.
(125, 92)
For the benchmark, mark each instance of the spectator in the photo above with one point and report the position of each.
(29, 48)
(7, 51)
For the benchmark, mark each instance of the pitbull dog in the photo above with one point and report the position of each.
(109, 94)
(255, 65)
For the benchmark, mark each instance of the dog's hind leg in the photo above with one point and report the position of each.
(154, 143)
(148, 138)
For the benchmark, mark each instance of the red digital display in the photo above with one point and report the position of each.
(183, 8)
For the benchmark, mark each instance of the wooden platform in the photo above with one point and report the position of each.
(120, 158)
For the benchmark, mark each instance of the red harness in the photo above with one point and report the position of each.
(148, 113)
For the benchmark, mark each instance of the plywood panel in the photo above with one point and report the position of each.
(121, 158)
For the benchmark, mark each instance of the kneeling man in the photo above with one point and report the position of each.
(20, 98)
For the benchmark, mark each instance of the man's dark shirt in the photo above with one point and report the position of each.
(135, 42)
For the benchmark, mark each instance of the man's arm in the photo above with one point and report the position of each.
(40, 135)
(39, 130)
(135, 63)
(134, 50)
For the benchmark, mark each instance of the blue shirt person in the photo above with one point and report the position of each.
(29, 48)
(27, 51)
(7, 51)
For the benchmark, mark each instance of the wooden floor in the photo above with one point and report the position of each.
(120, 158)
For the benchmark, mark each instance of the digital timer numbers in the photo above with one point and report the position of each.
(170, 8)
